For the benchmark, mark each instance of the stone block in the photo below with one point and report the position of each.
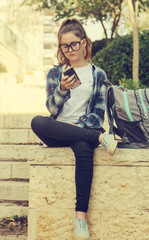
(54, 186)
(20, 170)
(17, 136)
(13, 237)
(32, 138)
(124, 225)
(2, 121)
(10, 211)
(143, 188)
(5, 170)
(123, 157)
(53, 224)
(49, 156)
(18, 120)
(14, 190)
(13, 152)
(56, 223)
(118, 208)
(113, 188)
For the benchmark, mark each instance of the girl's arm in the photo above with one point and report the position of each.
(55, 96)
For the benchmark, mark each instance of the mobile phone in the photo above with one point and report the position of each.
(69, 72)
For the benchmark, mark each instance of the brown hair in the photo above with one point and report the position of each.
(73, 25)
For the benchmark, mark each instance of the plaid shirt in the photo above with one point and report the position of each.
(56, 98)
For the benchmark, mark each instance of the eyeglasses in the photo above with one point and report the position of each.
(75, 46)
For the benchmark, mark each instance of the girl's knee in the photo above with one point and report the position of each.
(35, 122)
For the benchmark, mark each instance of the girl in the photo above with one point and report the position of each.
(77, 114)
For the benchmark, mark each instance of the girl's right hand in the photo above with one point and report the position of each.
(67, 82)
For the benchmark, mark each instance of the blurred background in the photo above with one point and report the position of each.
(28, 45)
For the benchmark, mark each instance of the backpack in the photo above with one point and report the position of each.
(128, 115)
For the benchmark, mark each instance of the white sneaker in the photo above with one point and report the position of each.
(81, 229)
(109, 143)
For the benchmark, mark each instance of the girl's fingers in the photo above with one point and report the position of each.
(68, 82)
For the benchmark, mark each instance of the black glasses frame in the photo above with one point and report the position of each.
(70, 46)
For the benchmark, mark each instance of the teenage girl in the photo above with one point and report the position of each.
(76, 114)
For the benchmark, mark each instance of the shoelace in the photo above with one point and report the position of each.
(82, 224)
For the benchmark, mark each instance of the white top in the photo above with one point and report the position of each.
(76, 105)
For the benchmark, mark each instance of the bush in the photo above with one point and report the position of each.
(98, 45)
(116, 59)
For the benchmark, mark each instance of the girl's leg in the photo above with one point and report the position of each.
(83, 152)
(47, 140)
(53, 129)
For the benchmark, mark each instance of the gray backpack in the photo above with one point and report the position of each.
(128, 115)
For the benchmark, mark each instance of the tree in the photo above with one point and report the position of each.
(135, 7)
(99, 10)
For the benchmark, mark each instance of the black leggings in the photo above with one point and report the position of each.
(82, 141)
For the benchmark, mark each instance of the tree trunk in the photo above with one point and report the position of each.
(133, 15)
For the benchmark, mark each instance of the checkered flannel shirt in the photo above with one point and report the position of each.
(56, 98)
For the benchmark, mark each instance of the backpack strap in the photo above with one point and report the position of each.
(111, 109)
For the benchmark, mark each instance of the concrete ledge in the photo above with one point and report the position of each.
(119, 203)
(123, 157)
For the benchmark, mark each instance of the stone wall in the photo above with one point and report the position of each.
(119, 203)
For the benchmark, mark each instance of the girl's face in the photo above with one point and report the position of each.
(76, 55)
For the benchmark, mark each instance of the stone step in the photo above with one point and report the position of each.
(14, 180)
(13, 237)
(14, 190)
(13, 211)
(10, 208)
(17, 120)
(14, 170)
(18, 136)
(22, 121)
(13, 153)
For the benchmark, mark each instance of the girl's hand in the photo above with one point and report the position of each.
(67, 82)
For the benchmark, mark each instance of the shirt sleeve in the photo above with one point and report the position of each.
(95, 118)
(55, 96)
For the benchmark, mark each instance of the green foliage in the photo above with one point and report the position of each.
(96, 9)
(116, 60)
(16, 218)
(98, 45)
(2, 68)
(129, 84)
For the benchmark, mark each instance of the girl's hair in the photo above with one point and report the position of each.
(75, 26)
